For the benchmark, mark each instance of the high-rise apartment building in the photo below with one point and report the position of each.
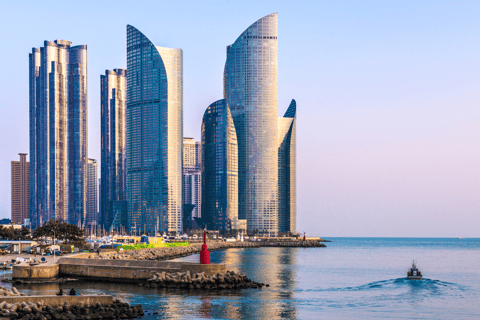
(20, 190)
(91, 220)
(154, 135)
(251, 89)
(219, 168)
(113, 205)
(287, 210)
(58, 132)
(192, 155)
(192, 176)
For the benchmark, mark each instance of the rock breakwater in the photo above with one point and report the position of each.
(230, 280)
(294, 244)
(177, 252)
(5, 292)
(38, 311)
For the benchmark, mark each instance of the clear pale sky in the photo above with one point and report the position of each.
(388, 103)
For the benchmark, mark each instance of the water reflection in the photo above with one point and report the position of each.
(275, 266)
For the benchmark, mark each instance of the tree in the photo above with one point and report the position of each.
(61, 230)
(9, 233)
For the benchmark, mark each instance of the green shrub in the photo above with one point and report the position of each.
(153, 245)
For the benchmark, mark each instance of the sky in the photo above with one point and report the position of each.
(388, 103)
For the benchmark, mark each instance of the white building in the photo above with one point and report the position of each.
(192, 176)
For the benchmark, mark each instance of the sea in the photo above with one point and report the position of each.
(352, 278)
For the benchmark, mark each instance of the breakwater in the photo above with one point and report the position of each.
(193, 248)
(5, 292)
(16, 305)
(129, 270)
(229, 280)
(47, 308)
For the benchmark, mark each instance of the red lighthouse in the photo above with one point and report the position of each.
(204, 254)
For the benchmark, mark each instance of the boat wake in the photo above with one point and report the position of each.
(400, 282)
(404, 286)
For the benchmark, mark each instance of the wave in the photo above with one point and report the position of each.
(425, 286)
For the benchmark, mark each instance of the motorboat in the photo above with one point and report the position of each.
(5, 266)
(413, 273)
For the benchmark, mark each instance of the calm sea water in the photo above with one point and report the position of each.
(353, 278)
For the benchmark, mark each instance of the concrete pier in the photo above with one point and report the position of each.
(35, 272)
(109, 269)
(129, 270)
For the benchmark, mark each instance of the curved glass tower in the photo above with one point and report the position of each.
(287, 211)
(251, 89)
(154, 135)
(219, 168)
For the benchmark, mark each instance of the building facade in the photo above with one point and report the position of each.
(192, 155)
(219, 168)
(20, 190)
(287, 210)
(91, 220)
(192, 176)
(113, 205)
(154, 135)
(58, 132)
(251, 89)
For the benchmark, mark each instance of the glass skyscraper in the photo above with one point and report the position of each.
(58, 132)
(113, 204)
(154, 135)
(92, 194)
(287, 211)
(219, 168)
(251, 89)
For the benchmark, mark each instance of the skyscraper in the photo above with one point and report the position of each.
(287, 210)
(219, 168)
(251, 89)
(20, 189)
(113, 205)
(58, 132)
(192, 175)
(154, 135)
(92, 194)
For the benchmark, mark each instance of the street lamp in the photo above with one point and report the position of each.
(53, 246)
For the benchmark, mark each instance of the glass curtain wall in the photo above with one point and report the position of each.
(154, 136)
(251, 89)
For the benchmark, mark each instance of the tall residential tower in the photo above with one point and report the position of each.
(58, 132)
(154, 135)
(113, 204)
(251, 90)
(287, 209)
(219, 168)
(91, 220)
(20, 190)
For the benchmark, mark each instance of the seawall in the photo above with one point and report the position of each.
(56, 301)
